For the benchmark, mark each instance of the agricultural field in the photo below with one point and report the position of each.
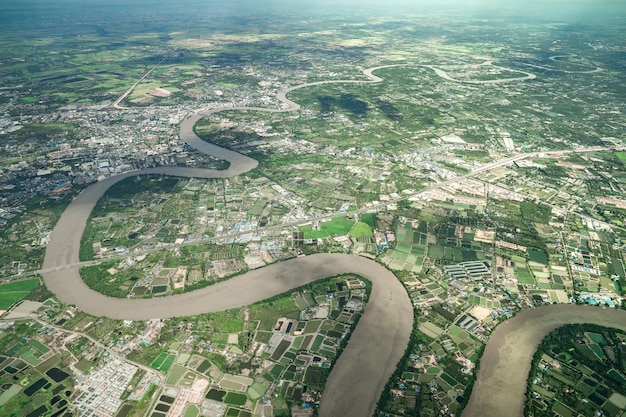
(485, 167)
(298, 334)
(579, 369)
(411, 248)
(338, 226)
(12, 292)
(163, 362)
(33, 379)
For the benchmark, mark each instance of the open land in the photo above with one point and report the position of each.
(166, 154)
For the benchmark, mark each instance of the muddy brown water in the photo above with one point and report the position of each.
(504, 367)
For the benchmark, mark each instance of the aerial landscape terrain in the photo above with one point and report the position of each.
(280, 208)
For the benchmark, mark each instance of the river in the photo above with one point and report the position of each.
(369, 359)
(380, 338)
(505, 365)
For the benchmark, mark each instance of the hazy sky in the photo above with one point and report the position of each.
(552, 6)
(580, 11)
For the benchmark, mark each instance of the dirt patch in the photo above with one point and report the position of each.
(161, 92)
(481, 313)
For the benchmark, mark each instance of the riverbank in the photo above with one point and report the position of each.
(504, 367)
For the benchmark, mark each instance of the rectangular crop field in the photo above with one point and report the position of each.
(159, 360)
(280, 349)
(316, 343)
(163, 362)
(177, 372)
(524, 276)
(192, 411)
(235, 398)
(277, 370)
(38, 346)
(338, 226)
(15, 291)
(167, 363)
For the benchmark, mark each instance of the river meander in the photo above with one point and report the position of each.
(380, 338)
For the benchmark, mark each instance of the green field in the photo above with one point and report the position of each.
(338, 226)
(167, 364)
(38, 346)
(192, 411)
(31, 357)
(361, 229)
(175, 374)
(163, 362)
(268, 312)
(621, 155)
(297, 342)
(617, 375)
(159, 360)
(12, 292)
(596, 338)
(524, 276)
(316, 343)
(277, 370)
(369, 218)
(433, 370)
(309, 233)
(235, 398)
(597, 350)
(538, 256)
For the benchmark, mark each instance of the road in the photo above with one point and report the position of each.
(236, 169)
(116, 103)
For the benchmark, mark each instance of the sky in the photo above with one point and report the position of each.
(579, 11)
(537, 7)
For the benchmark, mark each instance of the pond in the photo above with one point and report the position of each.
(35, 386)
(56, 374)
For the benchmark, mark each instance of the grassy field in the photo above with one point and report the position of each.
(167, 363)
(163, 362)
(268, 312)
(177, 372)
(361, 229)
(158, 361)
(338, 226)
(524, 276)
(621, 155)
(15, 291)
(235, 398)
(192, 411)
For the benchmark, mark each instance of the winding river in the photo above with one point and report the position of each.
(380, 338)
(377, 343)
(501, 381)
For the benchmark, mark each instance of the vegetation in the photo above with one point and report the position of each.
(569, 371)
(361, 229)
(15, 291)
(349, 145)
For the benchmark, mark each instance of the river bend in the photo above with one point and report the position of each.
(380, 338)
